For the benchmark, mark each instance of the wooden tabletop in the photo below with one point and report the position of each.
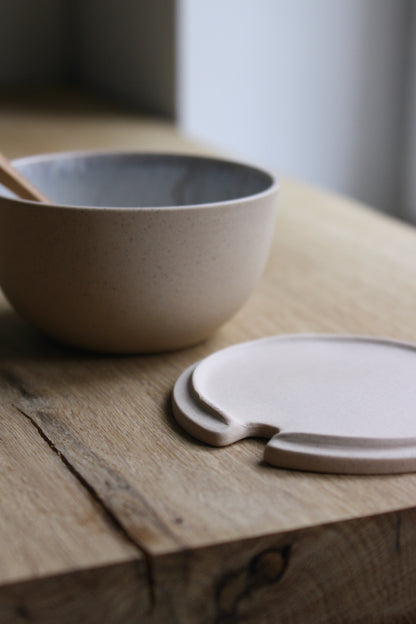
(110, 513)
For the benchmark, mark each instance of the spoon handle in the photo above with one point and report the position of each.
(14, 181)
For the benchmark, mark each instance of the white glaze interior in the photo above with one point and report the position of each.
(140, 180)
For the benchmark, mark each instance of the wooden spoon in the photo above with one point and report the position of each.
(16, 182)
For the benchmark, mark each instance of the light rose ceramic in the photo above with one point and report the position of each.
(135, 252)
(341, 404)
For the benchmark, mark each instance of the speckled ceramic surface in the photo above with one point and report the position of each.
(138, 252)
(327, 403)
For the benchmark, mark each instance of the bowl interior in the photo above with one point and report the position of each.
(140, 180)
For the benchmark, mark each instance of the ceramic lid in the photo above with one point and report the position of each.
(328, 403)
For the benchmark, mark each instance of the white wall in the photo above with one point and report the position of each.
(313, 88)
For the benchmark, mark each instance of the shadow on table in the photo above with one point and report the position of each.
(20, 341)
(24, 351)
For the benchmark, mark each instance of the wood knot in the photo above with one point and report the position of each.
(263, 570)
(268, 566)
(231, 590)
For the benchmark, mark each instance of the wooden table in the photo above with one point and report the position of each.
(111, 514)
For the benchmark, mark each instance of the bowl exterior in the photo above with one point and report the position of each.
(132, 280)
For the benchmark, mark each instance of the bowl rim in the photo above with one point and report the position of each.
(61, 155)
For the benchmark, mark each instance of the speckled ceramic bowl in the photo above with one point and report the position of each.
(135, 252)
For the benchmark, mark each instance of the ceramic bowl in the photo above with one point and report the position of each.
(135, 252)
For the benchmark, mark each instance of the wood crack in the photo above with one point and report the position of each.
(110, 517)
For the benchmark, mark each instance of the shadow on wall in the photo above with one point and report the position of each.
(123, 49)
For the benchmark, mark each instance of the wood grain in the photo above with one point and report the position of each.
(102, 595)
(220, 533)
(48, 522)
(354, 571)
